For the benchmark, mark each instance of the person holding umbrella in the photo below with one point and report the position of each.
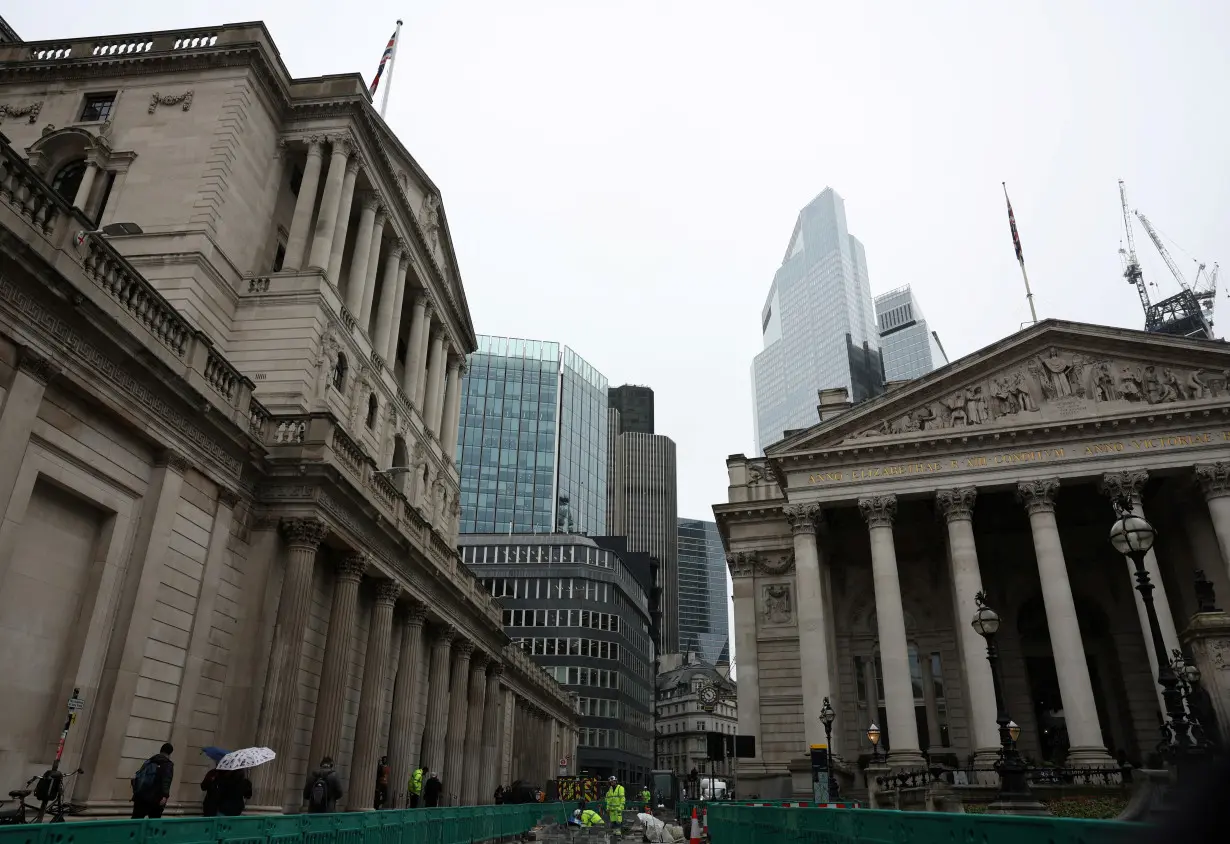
(226, 791)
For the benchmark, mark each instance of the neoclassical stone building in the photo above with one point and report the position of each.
(857, 547)
(200, 407)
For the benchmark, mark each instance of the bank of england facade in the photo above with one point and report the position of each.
(857, 547)
(198, 413)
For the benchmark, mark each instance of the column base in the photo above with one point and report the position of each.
(984, 766)
(1090, 757)
(906, 760)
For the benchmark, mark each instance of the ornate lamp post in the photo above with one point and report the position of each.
(1133, 536)
(873, 736)
(1014, 798)
(827, 717)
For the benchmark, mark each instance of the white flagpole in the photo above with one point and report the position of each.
(388, 83)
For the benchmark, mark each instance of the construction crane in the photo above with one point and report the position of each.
(1205, 292)
(1181, 314)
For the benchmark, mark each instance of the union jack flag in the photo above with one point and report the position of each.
(388, 53)
(1016, 238)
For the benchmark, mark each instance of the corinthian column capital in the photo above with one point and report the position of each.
(463, 648)
(878, 510)
(37, 365)
(306, 533)
(388, 592)
(741, 563)
(1120, 485)
(803, 518)
(351, 567)
(1038, 496)
(957, 504)
(1214, 479)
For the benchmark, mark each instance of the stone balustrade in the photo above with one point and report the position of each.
(142, 42)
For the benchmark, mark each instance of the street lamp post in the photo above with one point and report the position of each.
(1015, 797)
(873, 736)
(1133, 536)
(828, 716)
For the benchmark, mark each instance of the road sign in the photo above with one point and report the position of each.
(563, 763)
(75, 704)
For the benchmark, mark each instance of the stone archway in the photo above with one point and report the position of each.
(1105, 673)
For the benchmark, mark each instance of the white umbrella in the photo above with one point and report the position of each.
(249, 757)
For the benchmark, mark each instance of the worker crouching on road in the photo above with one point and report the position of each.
(586, 817)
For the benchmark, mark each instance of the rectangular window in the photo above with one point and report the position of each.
(97, 107)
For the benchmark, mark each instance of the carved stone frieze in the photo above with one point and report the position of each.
(956, 504)
(1054, 386)
(769, 563)
(777, 604)
(878, 510)
(1038, 496)
(32, 111)
(156, 100)
(741, 563)
(1214, 479)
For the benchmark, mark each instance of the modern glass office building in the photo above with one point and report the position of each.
(532, 440)
(909, 347)
(704, 628)
(818, 325)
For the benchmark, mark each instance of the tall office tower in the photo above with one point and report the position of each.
(909, 348)
(703, 624)
(533, 440)
(644, 495)
(818, 324)
(635, 406)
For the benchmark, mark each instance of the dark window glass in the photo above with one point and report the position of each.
(97, 107)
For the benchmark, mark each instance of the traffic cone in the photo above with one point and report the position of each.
(695, 836)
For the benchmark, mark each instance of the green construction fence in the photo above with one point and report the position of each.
(454, 825)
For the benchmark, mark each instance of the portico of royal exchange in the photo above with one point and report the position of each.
(857, 548)
(229, 304)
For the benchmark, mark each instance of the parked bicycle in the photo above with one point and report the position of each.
(49, 789)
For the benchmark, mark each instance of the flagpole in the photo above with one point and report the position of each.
(388, 83)
(1029, 295)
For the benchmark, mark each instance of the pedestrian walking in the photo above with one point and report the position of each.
(499, 795)
(432, 790)
(151, 784)
(382, 783)
(323, 789)
(226, 793)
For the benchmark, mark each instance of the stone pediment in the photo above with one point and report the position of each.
(1048, 374)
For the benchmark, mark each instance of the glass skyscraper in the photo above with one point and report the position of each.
(910, 349)
(532, 440)
(703, 620)
(818, 325)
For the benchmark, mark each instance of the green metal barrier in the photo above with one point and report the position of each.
(734, 824)
(453, 825)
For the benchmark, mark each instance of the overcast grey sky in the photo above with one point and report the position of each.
(623, 177)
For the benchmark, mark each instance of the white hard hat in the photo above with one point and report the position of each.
(576, 813)
(612, 779)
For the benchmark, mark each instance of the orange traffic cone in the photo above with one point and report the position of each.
(694, 838)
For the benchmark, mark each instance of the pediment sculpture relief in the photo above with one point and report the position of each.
(1054, 386)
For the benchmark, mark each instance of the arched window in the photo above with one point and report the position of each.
(339, 373)
(68, 178)
(373, 408)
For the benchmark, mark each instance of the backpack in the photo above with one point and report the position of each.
(145, 781)
(48, 787)
(319, 798)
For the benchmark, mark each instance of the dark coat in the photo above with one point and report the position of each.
(166, 773)
(226, 793)
(431, 791)
(332, 783)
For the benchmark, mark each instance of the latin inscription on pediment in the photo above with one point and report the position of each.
(1056, 386)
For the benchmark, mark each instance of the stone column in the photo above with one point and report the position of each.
(474, 765)
(879, 512)
(367, 752)
(454, 768)
(452, 404)
(335, 671)
(280, 704)
(388, 295)
(338, 248)
(17, 417)
(812, 612)
(742, 572)
(305, 205)
(1075, 688)
(435, 377)
(398, 302)
(1129, 485)
(413, 367)
(957, 505)
(405, 702)
(373, 268)
(436, 723)
(1215, 481)
(361, 254)
(87, 184)
(929, 704)
(492, 739)
(330, 204)
(420, 393)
